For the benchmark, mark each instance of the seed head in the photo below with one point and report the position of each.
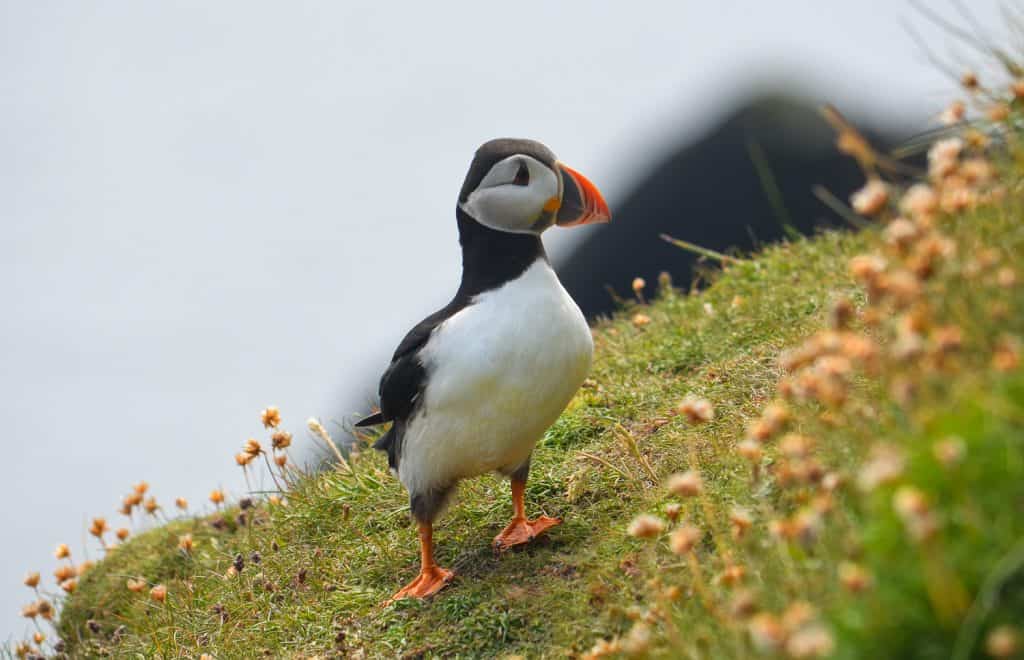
(871, 199)
(281, 439)
(686, 484)
(684, 539)
(271, 417)
(62, 551)
(696, 409)
(158, 594)
(646, 526)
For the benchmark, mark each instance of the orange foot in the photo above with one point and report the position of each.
(521, 531)
(427, 583)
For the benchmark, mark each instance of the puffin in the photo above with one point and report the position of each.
(472, 388)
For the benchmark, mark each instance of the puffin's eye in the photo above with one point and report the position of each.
(522, 175)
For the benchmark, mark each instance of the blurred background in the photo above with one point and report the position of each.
(212, 207)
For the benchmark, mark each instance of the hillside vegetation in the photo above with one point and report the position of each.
(820, 454)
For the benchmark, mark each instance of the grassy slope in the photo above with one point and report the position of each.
(344, 543)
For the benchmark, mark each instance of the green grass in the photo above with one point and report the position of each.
(344, 542)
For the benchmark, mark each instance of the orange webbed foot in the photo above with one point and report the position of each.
(521, 531)
(427, 583)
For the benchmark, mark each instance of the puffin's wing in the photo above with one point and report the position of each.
(403, 381)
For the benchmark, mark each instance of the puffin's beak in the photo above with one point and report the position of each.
(581, 201)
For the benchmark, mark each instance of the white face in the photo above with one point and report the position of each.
(519, 194)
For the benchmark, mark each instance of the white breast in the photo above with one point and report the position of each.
(500, 372)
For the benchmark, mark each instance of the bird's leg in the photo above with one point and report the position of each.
(432, 578)
(521, 530)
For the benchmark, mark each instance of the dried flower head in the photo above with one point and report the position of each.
(646, 526)
(943, 157)
(181, 503)
(62, 551)
(750, 450)
(252, 447)
(217, 496)
(672, 511)
(185, 543)
(32, 580)
(135, 585)
(696, 409)
(141, 488)
(281, 439)
(270, 416)
(281, 460)
(69, 586)
(242, 459)
(99, 527)
(686, 484)
(64, 572)
(871, 199)
(684, 539)
(741, 522)
(158, 593)
(953, 114)
(970, 81)
(30, 611)
(122, 533)
(150, 505)
(638, 285)
(920, 201)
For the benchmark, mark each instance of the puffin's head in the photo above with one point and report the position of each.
(519, 186)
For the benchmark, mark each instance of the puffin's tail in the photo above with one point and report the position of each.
(372, 420)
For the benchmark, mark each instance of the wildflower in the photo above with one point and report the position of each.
(158, 593)
(32, 580)
(854, 577)
(741, 521)
(697, 410)
(141, 487)
(217, 496)
(687, 484)
(1007, 354)
(99, 527)
(122, 533)
(185, 543)
(242, 459)
(640, 320)
(150, 505)
(270, 416)
(684, 539)
(920, 201)
(811, 642)
(84, 567)
(30, 611)
(1002, 642)
(69, 586)
(953, 114)
(743, 604)
(998, 112)
(870, 199)
(252, 447)
(794, 445)
(884, 465)
(912, 507)
(281, 460)
(943, 157)
(64, 572)
(135, 585)
(62, 551)
(281, 439)
(38, 637)
(867, 267)
(766, 632)
(969, 80)
(638, 641)
(646, 526)
(750, 450)
(181, 503)
(976, 171)
(638, 287)
(672, 511)
(901, 233)
(732, 575)
(45, 609)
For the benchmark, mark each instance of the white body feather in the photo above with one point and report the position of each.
(500, 372)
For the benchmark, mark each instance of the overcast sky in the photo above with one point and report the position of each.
(209, 207)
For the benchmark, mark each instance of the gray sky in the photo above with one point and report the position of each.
(211, 207)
